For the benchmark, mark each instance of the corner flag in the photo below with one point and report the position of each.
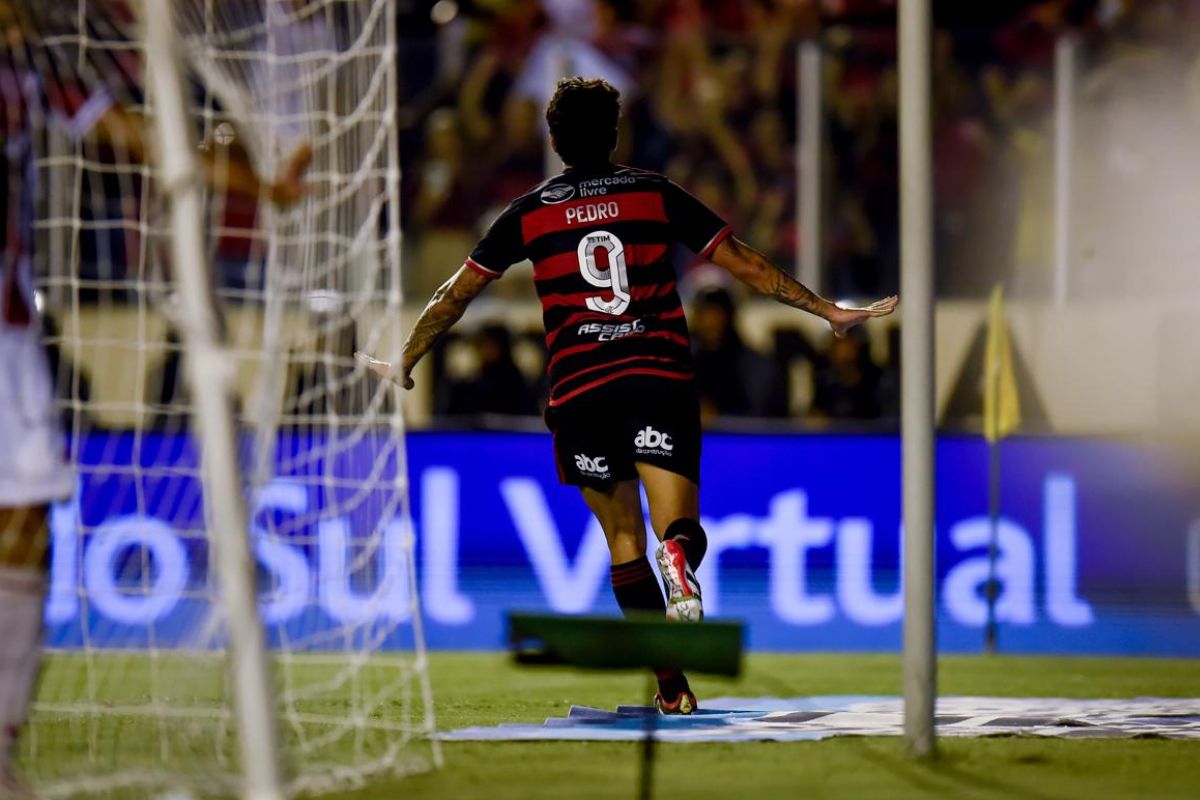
(1001, 415)
(1001, 407)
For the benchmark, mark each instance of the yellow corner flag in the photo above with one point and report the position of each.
(1001, 407)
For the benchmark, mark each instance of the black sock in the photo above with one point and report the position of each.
(691, 537)
(636, 588)
(671, 683)
(637, 591)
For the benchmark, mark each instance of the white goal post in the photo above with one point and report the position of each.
(180, 175)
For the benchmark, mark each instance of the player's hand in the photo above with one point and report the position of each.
(386, 369)
(842, 320)
(290, 185)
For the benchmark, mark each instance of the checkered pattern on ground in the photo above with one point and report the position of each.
(741, 719)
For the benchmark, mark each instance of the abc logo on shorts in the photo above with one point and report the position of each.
(594, 465)
(650, 439)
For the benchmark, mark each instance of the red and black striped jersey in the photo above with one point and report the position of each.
(600, 242)
(32, 94)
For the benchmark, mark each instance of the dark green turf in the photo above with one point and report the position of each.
(485, 689)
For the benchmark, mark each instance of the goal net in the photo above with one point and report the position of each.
(137, 689)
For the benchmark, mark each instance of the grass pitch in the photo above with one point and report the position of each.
(486, 689)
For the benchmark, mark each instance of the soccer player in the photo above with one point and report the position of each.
(39, 86)
(623, 407)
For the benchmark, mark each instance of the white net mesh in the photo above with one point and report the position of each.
(136, 690)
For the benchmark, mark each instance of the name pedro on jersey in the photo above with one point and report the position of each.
(592, 212)
(607, 332)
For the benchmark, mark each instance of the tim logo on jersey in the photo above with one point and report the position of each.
(593, 467)
(650, 441)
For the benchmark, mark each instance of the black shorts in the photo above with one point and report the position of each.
(599, 435)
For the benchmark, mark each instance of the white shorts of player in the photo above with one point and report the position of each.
(33, 464)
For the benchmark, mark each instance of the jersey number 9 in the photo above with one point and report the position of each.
(616, 277)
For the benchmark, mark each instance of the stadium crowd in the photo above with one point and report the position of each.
(710, 99)
(710, 94)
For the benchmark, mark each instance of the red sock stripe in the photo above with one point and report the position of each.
(631, 572)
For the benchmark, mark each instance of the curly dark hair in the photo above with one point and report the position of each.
(582, 117)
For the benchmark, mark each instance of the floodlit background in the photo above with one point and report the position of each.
(1065, 141)
(1067, 152)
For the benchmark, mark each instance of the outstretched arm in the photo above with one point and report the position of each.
(757, 271)
(231, 171)
(445, 308)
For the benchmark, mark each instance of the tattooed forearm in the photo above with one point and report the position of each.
(445, 308)
(758, 271)
(790, 291)
(437, 318)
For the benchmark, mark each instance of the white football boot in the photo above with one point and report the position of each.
(683, 590)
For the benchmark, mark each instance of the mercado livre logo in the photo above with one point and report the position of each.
(557, 193)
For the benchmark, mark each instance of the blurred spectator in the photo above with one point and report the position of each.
(770, 222)
(508, 38)
(846, 383)
(277, 82)
(732, 380)
(167, 389)
(72, 385)
(443, 193)
(518, 156)
(443, 203)
(794, 357)
(497, 387)
(889, 378)
(329, 382)
(572, 42)
(1028, 40)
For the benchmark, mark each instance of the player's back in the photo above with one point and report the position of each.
(600, 241)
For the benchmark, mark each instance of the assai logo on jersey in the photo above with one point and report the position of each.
(596, 467)
(651, 441)
(558, 193)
